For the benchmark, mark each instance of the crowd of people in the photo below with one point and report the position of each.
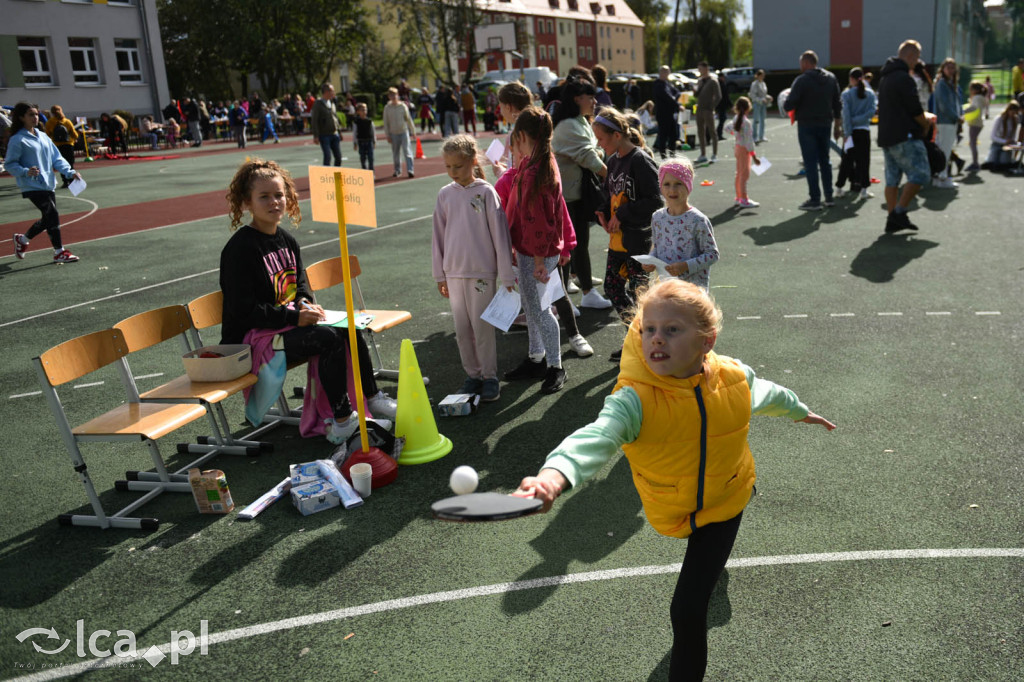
(571, 160)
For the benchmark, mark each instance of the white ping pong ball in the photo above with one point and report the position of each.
(463, 480)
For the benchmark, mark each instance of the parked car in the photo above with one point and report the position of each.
(738, 79)
(485, 84)
(529, 76)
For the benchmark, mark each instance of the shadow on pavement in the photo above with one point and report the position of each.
(880, 261)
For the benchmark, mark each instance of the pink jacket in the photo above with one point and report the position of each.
(541, 227)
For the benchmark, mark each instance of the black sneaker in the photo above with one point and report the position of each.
(472, 386)
(810, 205)
(527, 369)
(491, 391)
(554, 379)
(616, 355)
(898, 221)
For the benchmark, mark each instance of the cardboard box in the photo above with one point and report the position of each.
(314, 497)
(232, 361)
(304, 473)
(210, 490)
(458, 404)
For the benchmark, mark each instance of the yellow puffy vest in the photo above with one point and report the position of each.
(691, 463)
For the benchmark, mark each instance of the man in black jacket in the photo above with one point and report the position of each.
(814, 97)
(902, 125)
(666, 106)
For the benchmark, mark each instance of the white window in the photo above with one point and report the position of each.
(84, 64)
(561, 29)
(35, 61)
(129, 66)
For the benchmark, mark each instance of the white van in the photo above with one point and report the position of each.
(530, 76)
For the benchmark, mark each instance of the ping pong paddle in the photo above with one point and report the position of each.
(484, 507)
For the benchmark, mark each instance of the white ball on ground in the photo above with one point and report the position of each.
(464, 480)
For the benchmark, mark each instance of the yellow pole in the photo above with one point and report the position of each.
(339, 200)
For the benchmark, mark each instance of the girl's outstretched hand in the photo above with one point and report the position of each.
(812, 418)
(540, 273)
(442, 288)
(545, 486)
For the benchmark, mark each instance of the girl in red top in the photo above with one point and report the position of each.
(531, 194)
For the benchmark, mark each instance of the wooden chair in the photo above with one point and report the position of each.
(328, 273)
(152, 328)
(133, 421)
(208, 311)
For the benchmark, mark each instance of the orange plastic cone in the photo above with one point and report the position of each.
(419, 150)
(415, 419)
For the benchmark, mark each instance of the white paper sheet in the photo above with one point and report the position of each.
(848, 145)
(659, 264)
(333, 318)
(503, 309)
(76, 187)
(495, 151)
(551, 291)
(760, 168)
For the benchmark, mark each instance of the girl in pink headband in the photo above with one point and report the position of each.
(681, 236)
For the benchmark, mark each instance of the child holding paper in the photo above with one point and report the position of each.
(512, 99)
(680, 234)
(745, 151)
(471, 250)
(532, 196)
(265, 289)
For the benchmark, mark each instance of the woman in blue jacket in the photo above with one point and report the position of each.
(859, 104)
(31, 158)
(948, 111)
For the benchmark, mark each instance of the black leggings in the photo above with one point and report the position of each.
(707, 551)
(46, 202)
(854, 165)
(581, 216)
(330, 343)
(564, 306)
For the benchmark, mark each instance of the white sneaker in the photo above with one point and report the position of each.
(749, 203)
(383, 405)
(865, 194)
(714, 158)
(575, 310)
(580, 346)
(592, 299)
(701, 159)
(945, 183)
(339, 432)
(572, 288)
(838, 192)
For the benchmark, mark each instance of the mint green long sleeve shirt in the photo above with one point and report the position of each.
(581, 454)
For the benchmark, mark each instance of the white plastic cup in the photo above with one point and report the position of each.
(362, 478)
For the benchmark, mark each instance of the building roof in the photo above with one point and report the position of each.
(622, 15)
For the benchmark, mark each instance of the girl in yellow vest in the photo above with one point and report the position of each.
(681, 415)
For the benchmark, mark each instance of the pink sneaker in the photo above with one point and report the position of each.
(65, 256)
(19, 246)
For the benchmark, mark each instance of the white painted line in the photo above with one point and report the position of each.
(748, 317)
(24, 395)
(841, 315)
(793, 317)
(198, 274)
(148, 376)
(938, 312)
(503, 588)
(988, 312)
(894, 314)
(91, 383)
(95, 207)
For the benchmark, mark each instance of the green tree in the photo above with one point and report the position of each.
(296, 43)
(379, 68)
(441, 30)
(707, 33)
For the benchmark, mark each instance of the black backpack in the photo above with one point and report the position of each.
(60, 133)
